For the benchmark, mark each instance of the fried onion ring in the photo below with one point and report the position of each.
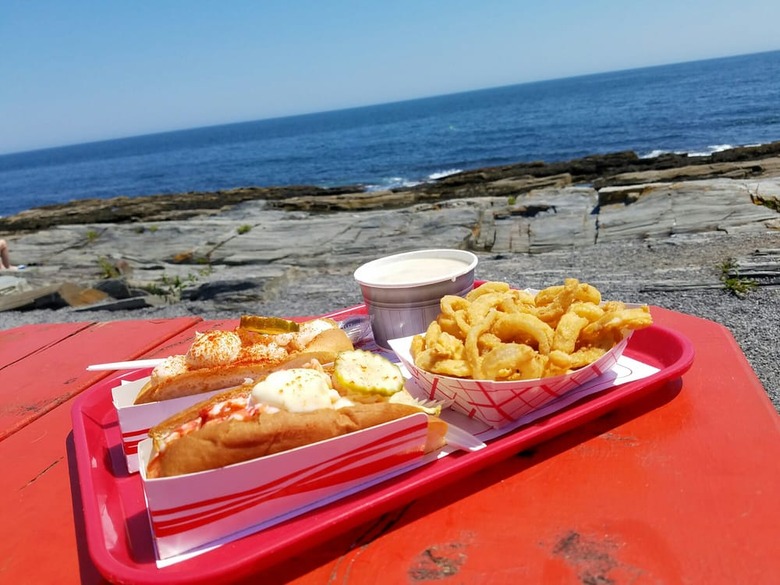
(498, 333)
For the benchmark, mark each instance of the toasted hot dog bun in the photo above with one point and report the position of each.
(221, 443)
(324, 348)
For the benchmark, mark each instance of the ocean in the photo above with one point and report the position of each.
(697, 108)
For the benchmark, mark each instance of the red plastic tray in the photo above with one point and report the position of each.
(117, 530)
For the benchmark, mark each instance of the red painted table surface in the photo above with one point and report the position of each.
(679, 487)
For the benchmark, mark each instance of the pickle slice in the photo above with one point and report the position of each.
(267, 325)
(363, 372)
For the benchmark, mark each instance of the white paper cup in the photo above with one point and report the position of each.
(403, 292)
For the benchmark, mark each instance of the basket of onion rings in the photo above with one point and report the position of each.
(499, 353)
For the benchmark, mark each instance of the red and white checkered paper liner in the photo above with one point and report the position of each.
(499, 403)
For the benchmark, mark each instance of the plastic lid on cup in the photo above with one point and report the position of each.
(416, 268)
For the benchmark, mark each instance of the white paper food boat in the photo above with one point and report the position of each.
(499, 403)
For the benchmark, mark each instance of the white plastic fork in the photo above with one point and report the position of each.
(357, 328)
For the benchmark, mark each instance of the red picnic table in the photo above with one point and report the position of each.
(679, 484)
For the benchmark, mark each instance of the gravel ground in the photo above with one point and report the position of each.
(677, 274)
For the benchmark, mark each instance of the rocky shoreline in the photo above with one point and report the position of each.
(599, 171)
(699, 235)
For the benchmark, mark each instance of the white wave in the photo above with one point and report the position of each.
(402, 182)
(710, 149)
(653, 154)
(392, 183)
(442, 174)
(720, 147)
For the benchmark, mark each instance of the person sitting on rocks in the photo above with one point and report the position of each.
(5, 258)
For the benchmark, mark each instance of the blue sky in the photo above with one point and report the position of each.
(75, 71)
